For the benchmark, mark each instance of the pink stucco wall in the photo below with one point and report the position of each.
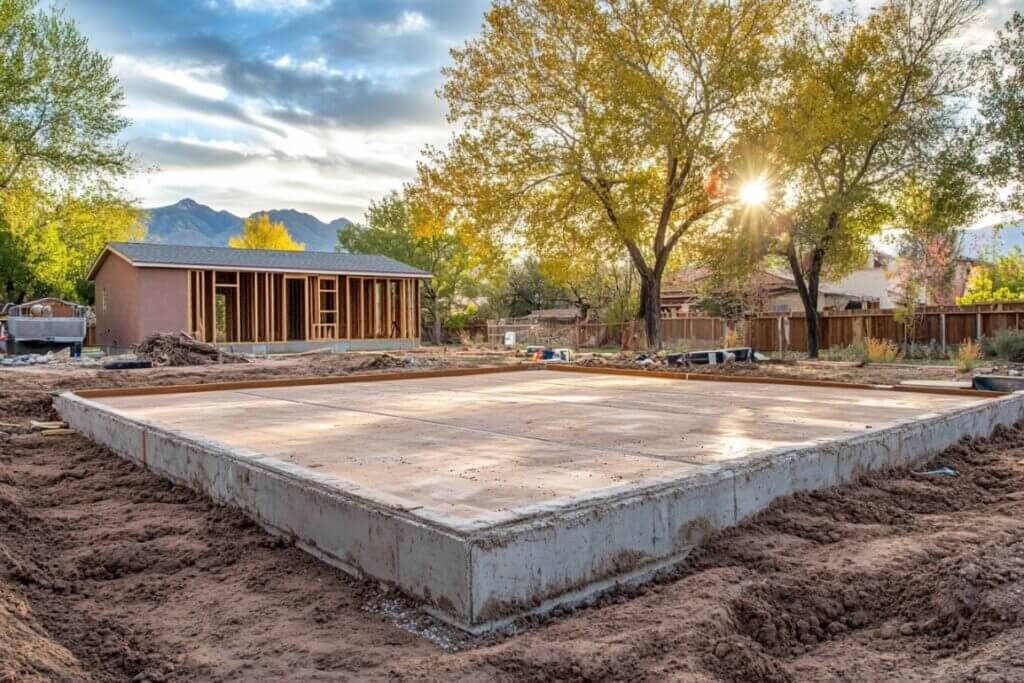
(116, 310)
(162, 301)
(132, 303)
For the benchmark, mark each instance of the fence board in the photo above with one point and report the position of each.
(777, 332)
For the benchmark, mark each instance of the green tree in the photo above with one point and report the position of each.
(866, 101)
(603, 123)
(259, 233)
(1002, 110)
(60, 103)
(48, 242)
(932, 208)
(422, 238)
(1002, 280)
(519, 288)
(60, 158)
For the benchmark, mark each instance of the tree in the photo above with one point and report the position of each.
(603, 123)
(60, 103)
(865, 103)
(60, 157)
(932, 208)
(1003, 280)
(422, 238)
(1002, 109)
(519, 288)
(48, 241)
(259, 233)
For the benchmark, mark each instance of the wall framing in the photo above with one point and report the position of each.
(335, 307)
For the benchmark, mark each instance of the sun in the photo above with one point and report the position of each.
(754, 192)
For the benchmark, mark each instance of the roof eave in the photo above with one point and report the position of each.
(419, 275)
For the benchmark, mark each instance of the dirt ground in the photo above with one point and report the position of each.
(108, 573)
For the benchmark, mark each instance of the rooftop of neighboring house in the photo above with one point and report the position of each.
(686, 283)
(556, 313)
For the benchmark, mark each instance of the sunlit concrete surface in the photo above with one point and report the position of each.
(493, 495)
(471, 446)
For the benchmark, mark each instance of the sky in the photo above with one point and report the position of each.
(317, 105)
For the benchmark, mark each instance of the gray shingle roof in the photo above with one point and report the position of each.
(153, 253)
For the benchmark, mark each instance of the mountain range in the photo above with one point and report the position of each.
(191, 223)
(999, 239)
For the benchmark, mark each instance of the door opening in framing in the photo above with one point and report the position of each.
(296, 307)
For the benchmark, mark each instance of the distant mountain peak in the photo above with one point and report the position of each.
(190, 223)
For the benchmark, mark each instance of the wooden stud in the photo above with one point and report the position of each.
(348, 309)
(362, 307)
(388, 313)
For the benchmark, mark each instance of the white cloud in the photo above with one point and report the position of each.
(279, 5)
(407, 23)
(192, 81)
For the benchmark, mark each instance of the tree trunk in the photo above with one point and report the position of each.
(642, 311)
(808, 291)
(436, 311)
(651, 306)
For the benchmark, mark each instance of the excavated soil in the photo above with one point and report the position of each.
(108, 573)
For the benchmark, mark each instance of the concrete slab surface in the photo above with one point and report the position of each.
(464, 448)
(493, 495)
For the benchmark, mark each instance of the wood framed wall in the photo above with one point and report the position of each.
(256, 307)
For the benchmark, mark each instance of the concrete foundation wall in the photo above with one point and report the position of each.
(352, 534)
(564, 550)
(574, 550)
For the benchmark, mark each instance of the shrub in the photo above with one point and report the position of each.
(856, 352)
(1006, 345)
(919, 351)
(968, 355)
(882, 350)
(732, 338)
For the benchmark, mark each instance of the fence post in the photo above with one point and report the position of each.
(942, 330)
(978, 321)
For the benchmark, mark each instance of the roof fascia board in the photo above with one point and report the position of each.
(102, 258)
(249, 269)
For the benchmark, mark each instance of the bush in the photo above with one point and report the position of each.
(1006, 345)
(968, 355)
(856, 352)
(732, 339)
(930, 351)
(882, 350)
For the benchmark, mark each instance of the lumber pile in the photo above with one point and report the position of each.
(51, 428)
(181, 349)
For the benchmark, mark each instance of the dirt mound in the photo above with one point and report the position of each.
(177, 350)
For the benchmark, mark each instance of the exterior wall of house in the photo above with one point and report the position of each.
(866, 282)
(117, 312)
(132, 303)
(162, 301)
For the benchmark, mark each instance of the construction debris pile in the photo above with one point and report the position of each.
(386, 361)
(180, 349)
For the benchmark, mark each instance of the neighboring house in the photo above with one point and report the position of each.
(956, 287)
(555, 315)
(255, 299)
(772, 290)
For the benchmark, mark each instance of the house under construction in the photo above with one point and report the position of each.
(255, 300)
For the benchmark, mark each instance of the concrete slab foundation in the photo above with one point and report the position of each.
(493, 495)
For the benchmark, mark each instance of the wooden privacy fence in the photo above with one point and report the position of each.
(943, 326)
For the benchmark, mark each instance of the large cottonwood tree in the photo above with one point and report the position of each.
(868, 101)
(603, 122)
